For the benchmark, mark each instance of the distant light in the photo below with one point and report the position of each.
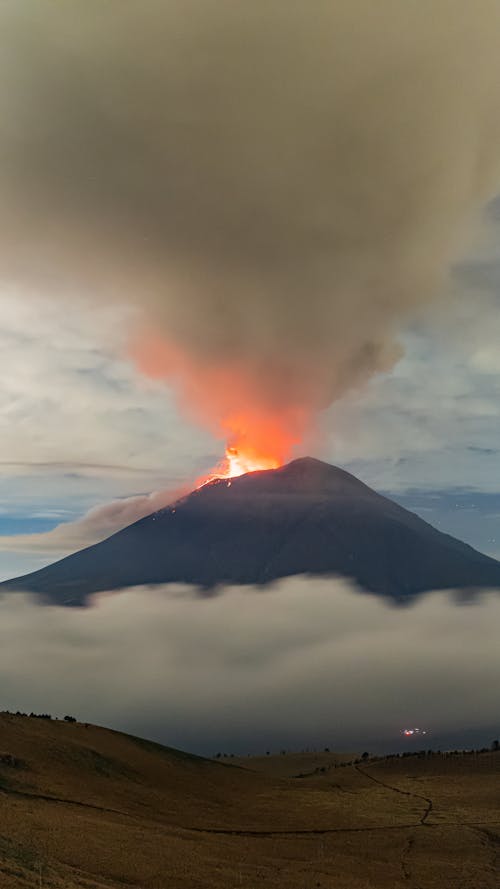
(409, 732)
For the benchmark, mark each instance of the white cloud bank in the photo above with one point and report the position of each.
(303, 661)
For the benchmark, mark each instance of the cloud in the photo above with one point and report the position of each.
(69, 403)
(304, 662)
(77, 423)
(435, 420)
(274, 189)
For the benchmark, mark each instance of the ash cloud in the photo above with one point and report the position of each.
(98, 523)
(306, 662)
(275, 187)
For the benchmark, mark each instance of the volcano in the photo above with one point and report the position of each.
(305, 518)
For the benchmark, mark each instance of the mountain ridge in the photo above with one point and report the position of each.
(306, 517)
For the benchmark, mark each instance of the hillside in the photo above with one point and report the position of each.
(305, 518)
(83, 807)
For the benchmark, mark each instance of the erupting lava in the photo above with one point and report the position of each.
(238, 462)
(256, 442)
(258, 439)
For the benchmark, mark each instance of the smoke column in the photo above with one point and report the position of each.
(274, 186)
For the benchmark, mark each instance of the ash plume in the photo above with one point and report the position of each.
(274, 187)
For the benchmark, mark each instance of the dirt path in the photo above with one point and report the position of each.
(427, 800)
(262, 832)
(410, 843)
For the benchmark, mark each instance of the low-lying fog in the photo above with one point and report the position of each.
(305, 663)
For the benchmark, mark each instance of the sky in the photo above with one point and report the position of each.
(221, 224)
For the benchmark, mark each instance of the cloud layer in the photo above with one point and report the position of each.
(302, 663)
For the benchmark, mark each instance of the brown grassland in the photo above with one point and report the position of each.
(82, 807)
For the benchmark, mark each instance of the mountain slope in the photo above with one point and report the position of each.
(305, 518)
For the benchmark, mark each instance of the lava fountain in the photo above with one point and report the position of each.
(236, 462)
(256, 442)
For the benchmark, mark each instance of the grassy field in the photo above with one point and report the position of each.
(82, 807)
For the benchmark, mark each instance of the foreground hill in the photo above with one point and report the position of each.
(305, 518)
(82, 807)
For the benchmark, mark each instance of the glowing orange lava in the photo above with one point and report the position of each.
(237, 463)
(257, 440)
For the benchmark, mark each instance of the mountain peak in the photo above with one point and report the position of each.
(302, 476)
(310, 470)
(309, 467)
(306, 517)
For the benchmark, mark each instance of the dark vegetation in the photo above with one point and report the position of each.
(39, 715)
(367, 757)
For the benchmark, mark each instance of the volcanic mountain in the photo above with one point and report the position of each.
(304, 518)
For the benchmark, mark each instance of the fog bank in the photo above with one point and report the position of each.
(303, 663)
